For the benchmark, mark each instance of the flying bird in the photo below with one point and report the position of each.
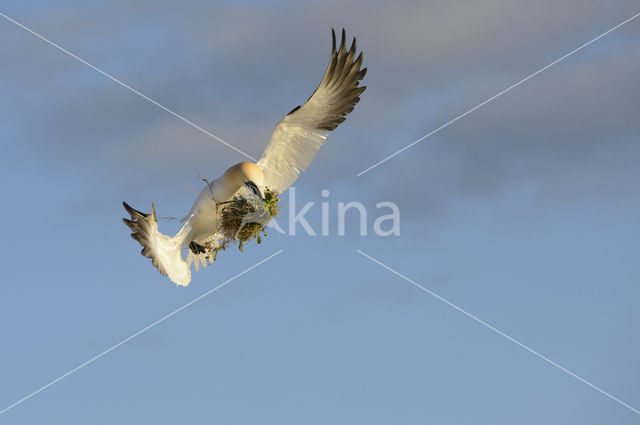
(293, 144)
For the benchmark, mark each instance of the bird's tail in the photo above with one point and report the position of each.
(165, 252)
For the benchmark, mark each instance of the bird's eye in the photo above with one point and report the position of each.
(251, 185)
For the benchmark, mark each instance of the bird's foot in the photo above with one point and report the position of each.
(196, 248)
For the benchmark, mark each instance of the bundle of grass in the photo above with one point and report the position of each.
(243, 219)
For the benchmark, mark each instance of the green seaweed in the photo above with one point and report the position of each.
(232, 215)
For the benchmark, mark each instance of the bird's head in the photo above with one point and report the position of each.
(248, 174)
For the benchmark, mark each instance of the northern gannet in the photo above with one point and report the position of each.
(293, 144)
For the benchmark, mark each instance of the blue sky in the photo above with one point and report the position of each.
(524, 213)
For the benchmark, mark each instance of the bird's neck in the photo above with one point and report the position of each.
(224, 188)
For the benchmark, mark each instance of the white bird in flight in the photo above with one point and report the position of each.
(292, 146)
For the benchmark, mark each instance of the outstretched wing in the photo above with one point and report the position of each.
(297, 138)
(165, 252)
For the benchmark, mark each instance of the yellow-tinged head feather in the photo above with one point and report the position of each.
(246, 171)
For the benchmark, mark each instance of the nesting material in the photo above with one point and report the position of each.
(243, 219)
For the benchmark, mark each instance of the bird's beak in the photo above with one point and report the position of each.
(254, 188)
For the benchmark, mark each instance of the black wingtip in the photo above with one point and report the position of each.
(128, 208)
(135, 214)
(341, 80)
(294, 109)
(333, 40)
